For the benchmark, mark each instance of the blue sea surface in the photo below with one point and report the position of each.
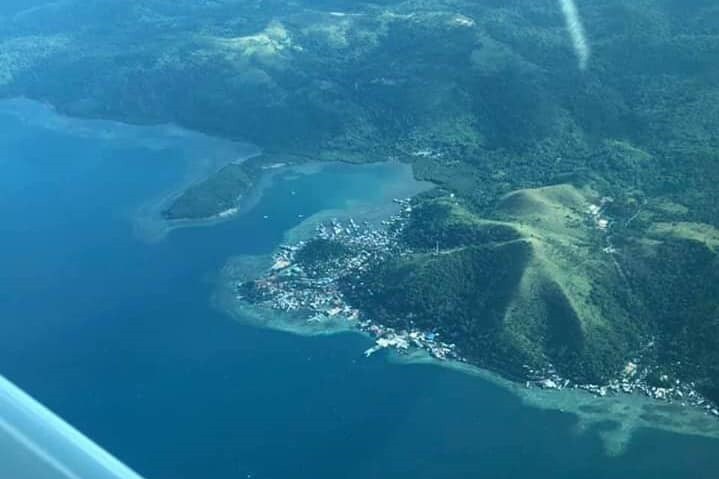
(117, 336)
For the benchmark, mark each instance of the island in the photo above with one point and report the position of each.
(221, 193)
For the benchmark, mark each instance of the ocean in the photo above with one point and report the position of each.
(118, 336)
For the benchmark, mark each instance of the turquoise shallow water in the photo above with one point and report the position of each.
(118, 337)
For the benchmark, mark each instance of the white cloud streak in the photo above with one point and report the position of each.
(576, 32)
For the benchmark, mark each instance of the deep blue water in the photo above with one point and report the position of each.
(117, 336)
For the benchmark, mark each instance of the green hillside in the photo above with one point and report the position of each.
(676, 275)
(529, 286)
(540, 282)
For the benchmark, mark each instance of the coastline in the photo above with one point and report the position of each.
(152, 226)
(378, 362)
(615, 417)
(148, 221)
(629, 411)
(244, 268)
(625, 413)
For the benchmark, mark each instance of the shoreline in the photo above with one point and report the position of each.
(151, 226)
(628, 412)
(615, 417)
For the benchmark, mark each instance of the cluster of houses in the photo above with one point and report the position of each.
(596, 213)
(404, 340)
(314, 290)
(632, 380)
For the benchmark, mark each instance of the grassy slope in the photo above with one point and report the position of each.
(529, 285)
(573, 292)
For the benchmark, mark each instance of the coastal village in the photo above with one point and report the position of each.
(633, 379)
(313, 292)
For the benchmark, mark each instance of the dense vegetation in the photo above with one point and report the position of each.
(442, 224)
(678, 280)
(484, 98)
(220, 192)
(462, 295)
(224, 189)
(531, 285)
(320, 251)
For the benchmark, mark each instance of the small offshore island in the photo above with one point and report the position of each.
(219, 195)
